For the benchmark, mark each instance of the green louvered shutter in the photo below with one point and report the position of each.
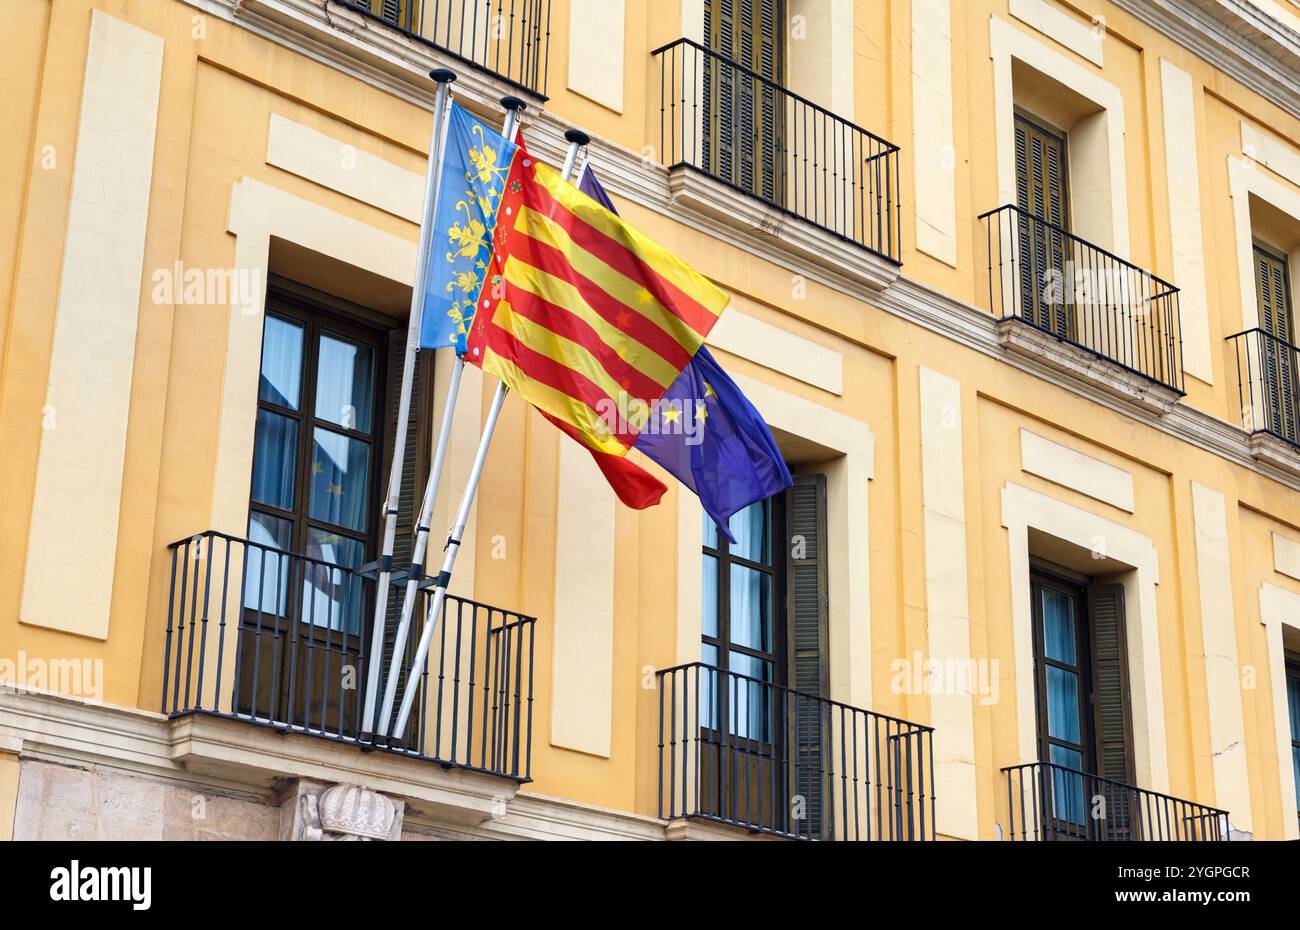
(1273, 294)
(1111, 706)
(400, 13)
(1041, 181)
(415, 467)
(743, 117)
(807, 608)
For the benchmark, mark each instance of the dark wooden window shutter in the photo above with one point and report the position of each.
(1112, 715)
(1110, 689)
(415, 470)
(807, 611)
(1273, 291)
(744, 118)
(1042, 189)
(1281, 380)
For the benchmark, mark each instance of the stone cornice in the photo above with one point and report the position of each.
(1234, 36)
(239, 758)
(397, 65)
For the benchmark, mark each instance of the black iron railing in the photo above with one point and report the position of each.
(507, 38)
(278, 639)
(1268, 384)
(1082, 294)
(751, 133)
(742, 751)
(1052, 802)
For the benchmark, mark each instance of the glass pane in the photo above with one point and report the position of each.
(1063, 705)
(710, 531)
(266, 574)
(1058, 627)
(751, 529)
(1293, 702)
(709, 611)
(1067, 788)
(331, 598)
(345, 383)
(275, 459)
(751, 608)
(1295, 765)
(709, 714)
(751, 701)
(340, 479)
(281, 381)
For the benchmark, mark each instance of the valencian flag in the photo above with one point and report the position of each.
(723, 451)
(582, 315)
(475, 161)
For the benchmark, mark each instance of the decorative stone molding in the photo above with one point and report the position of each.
(1015, 335)
(346, 812)
(1276, 453)
(709, 831)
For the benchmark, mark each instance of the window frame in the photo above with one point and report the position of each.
(1291, 671)
(1040, 578)
(317, 321)
(776, 572)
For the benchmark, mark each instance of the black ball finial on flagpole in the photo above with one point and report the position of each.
(443, 75)
(577, 136)
(514, 103)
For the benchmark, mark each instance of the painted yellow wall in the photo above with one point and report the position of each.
(217, 95)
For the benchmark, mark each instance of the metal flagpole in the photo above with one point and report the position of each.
(576, 141)
(437, 140)
(513, 107)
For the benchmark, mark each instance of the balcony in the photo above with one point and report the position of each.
(1070, 304)
(754, 136)
(508, 39)
(1050, 802)
(1268, 395)
(787, 763)
(279, 640)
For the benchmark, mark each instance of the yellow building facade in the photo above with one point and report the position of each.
(1010, 281)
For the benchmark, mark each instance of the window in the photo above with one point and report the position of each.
(744, 115)
(1278, 360)
(327, 396)
(1041, 190)
(314, 460)
(739, 632)
(763, 632)
(1293, 707)
(1082, 696)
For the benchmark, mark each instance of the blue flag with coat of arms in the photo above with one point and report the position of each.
(472, 181)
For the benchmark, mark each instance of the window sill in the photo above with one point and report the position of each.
(1015, 335)
(704, 198)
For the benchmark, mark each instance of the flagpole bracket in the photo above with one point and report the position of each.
(440, 580)
(372, 570)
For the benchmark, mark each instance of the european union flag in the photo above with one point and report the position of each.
(475, 163)
(706, 433)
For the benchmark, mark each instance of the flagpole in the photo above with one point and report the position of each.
(437, 140)
(576, 141)
(514, 107)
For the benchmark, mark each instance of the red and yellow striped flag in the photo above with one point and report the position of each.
(583, 316)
